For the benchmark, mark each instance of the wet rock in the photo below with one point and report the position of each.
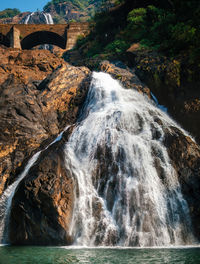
(185, 157)
(42, 205)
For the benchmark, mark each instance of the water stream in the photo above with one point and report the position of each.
(6, 200)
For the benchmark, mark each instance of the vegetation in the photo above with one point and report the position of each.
(86, 9)
(168, 30)
(170, 27)
(81, 4)
(9, 12)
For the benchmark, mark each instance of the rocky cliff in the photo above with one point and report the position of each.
(66, 11)
(172, 82)
(14, 20)
(34, 107)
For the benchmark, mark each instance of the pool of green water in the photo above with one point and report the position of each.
(64, 255)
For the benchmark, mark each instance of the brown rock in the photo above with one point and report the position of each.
(27, 65)
(32, 112)
(43, 202)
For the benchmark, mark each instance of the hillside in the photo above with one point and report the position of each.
(64, 11)
(161, 40)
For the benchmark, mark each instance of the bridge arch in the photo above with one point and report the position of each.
(4, 40)
(43, 37)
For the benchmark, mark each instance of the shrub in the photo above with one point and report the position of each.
(117, 47)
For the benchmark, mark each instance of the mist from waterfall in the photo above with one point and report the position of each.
(122, 196)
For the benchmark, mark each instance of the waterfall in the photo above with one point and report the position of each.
(47, 17)
(28, 18)
(126, 191)
(121, 197)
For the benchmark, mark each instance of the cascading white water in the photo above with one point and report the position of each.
(47, 16)
(6, 200)
(122, 197)
(28, 18)
(127, 192)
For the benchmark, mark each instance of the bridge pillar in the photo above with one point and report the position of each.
(75, 30)
(14, 36)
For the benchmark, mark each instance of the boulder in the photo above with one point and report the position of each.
(43, 202)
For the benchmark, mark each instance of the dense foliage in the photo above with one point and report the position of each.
(171, 30)
(9, 12)
(170, 27)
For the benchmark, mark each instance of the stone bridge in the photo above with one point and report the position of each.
(27, 36)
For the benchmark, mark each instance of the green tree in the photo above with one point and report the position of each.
(9, 12)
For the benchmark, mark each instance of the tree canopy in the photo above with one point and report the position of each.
(9, 12)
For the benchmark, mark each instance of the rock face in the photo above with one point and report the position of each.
(32, 112)
(65, 12)
(28, 66)
(42, 205)
(185, 157)
(170, 83)
(18, 19)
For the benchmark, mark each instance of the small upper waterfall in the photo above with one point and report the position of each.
(39, 18)
(48, 18)
(122, 198)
